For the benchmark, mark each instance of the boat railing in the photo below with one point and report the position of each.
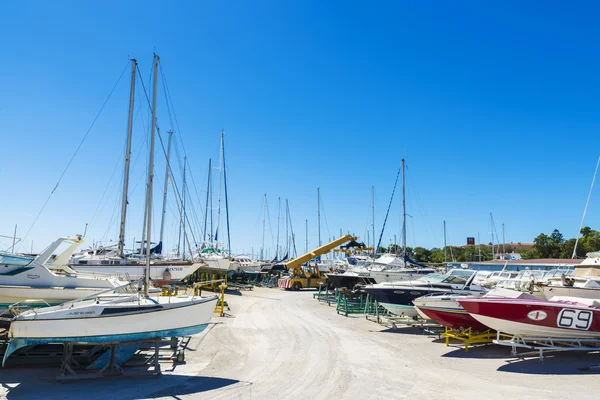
(25, 305)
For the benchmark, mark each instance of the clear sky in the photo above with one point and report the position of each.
(495, 106)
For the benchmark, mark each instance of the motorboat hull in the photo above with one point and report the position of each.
(349, 281)
(399, 275)
(399, 300)
(10, 295)
(446, 311)
(536, 318)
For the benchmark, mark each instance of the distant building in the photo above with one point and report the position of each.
(470, 241)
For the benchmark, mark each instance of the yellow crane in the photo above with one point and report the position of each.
(309, 276)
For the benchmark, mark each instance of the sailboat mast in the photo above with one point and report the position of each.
(127, 158)
(445, 245)
(479, 246)
(219, 191)
(306, 230)
(206, 207)
(225, 184)
(278, 218)
(262, 249)
(150, 178)
(503, 240)
(319, 213)
(373, 209)
(585, 209)
(167, 175)
(287, 234)
(403, 211)
(492, 232)
(183, 193)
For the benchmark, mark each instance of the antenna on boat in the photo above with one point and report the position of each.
(585, 209)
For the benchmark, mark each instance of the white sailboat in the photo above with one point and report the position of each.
(211, 254)
(118, 318)
(114, 261)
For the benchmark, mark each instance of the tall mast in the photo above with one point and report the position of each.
(503, 240)
(319, 213)
(306, 235)
(445, 246)
(403, 211)
(219, 191)
(127, 158)
(225, 183)
(183, 190)
(211, 202)
(585, 209)
(373, 207)
(262, 249)
(167, 175)
(278, 218)
(206, 208)
(492, 232)
(150, 178)
(287, 234)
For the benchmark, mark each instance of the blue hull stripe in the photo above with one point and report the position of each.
(16, 344)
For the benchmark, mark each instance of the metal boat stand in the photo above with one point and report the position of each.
(540, 345)
(71, 370)
(468, 336)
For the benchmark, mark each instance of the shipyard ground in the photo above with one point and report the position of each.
(285, 345)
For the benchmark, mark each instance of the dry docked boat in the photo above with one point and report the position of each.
(115, 318)
(110, 319)
(397, 297)
(52, 283)
(105, 261)
(530, 316)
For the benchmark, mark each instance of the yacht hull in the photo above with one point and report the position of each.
(349, 281)
(571, 291)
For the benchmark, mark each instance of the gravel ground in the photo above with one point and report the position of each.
(285, 345)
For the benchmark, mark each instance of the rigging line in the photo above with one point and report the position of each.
(325, 217)
(388, 211)
(74, 154)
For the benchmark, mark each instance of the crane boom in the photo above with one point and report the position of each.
(296, 263)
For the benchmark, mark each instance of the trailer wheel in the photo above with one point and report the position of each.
(297, 286)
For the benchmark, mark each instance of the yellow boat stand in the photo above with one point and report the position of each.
(468, 336)
(214, 284)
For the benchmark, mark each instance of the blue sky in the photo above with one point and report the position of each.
(495, 107)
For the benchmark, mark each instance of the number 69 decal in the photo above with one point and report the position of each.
(574, 319)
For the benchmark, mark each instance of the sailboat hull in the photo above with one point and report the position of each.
(162, 274)
(83, 325)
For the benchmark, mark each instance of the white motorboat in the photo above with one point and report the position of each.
(245, 264)
(49, 283)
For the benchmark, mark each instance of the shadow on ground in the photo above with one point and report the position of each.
(574, 363)
(28, 384)
(185, 386)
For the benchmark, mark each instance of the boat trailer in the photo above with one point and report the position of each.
(540, 345)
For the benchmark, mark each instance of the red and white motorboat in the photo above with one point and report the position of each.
(532, 317)
(445, 310)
